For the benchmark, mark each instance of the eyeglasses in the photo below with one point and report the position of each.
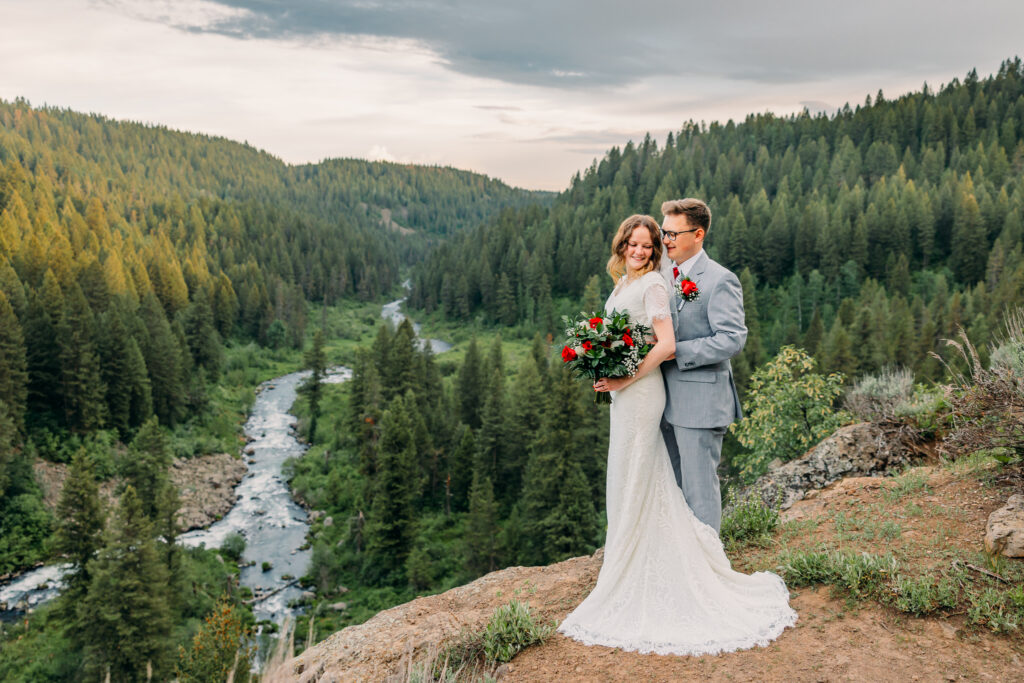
(670, 236)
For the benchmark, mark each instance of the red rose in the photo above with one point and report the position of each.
(568, 354)
(688, 287)
(594, 322)
(626, 338)
(587, 345)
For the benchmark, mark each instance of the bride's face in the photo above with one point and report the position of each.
(639, 248)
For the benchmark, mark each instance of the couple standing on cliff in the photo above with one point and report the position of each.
(666, 585)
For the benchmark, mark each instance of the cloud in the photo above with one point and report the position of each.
(819, 107)
(379, 153)
(604, 43)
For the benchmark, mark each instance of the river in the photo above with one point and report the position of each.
(273, 525)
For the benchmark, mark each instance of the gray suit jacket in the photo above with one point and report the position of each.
(699, 387)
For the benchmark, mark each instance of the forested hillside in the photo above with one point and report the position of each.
(865, 237)
(131, 257)
(130, 253)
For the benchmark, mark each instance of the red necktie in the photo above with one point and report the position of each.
(675, 272)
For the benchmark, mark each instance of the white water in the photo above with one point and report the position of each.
(273, 525)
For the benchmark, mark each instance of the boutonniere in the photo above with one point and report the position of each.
(688, 289)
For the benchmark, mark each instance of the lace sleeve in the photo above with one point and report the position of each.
(656, 300)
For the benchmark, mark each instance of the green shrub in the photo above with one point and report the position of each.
(233, 546)
(788, 410)
(510, 630)
(877, 397)
(748, 520)
(217, 649)
(923, 594)
(860, 575)
(993, 609)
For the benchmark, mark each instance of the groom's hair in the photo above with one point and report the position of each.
(697, 212)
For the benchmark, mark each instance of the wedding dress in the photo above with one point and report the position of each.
(666, 585)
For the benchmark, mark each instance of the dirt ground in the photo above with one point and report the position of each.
(927, 519)
(831, 642)
(940, 518)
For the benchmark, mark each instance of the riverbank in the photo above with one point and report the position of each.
(206, 485)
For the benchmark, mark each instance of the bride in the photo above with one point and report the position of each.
(666, 585)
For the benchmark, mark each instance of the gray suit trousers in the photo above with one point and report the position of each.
(697, 452)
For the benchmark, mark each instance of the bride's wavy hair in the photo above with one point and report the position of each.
(617, 263)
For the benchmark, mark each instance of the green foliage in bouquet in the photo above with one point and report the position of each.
(604, 345)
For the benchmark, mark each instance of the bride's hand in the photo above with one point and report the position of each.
(611, 384)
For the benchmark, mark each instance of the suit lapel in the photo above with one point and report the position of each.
(695, 272)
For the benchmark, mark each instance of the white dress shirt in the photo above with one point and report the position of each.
(685, 266)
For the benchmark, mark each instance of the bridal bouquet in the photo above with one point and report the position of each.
(604, 345)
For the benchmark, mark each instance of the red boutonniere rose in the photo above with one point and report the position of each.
(594, 322)
(568, 354)
(688, 289)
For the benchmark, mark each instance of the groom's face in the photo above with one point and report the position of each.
(688, 240)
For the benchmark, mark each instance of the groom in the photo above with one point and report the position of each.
(701, 399)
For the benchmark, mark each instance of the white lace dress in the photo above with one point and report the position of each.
(666, 585)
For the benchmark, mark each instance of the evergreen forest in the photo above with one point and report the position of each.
(866, 238)
(136, 264)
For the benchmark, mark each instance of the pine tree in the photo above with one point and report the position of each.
(460, 468)
(402, 372)
(8, 434)
(201, 333)
(505, 301)
(80, 520)
(571, 528)
(45, 402)
(481, 537)
(13, 369)
(124, 620)
(82, 384)
(163, 358)
(470, 386)
(145, 467)
(970, 242)
(815, 333)
(592, 294)
(389, 527)
(837, 351)
(315, 361)
(557, 446)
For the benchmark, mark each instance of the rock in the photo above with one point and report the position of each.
(339, 606)
(1004, 532)
(207, 485)
(308, 595)
(249, 450)
(376, 648)
(859, 450)
(315, 515)
(329, 521)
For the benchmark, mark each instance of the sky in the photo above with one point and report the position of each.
(523, 90)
